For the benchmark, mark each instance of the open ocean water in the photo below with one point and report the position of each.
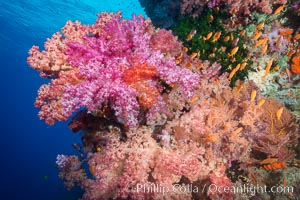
(28, 146)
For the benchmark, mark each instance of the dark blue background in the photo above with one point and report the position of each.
(28, 146)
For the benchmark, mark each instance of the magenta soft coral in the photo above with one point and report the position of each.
(102, 53)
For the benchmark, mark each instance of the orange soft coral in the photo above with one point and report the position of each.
(296, 64)
(138, 78)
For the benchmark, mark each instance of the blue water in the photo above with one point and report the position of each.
(28, 146)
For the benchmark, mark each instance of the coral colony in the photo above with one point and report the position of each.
(208, 109)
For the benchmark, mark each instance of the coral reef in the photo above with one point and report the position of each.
(172, 117)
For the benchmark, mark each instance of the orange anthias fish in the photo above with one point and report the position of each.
(268, 67)
(242, 32)
(226, 38)
(236, 132)
(279, 113)
(274, 166)
(268, 161)
(261, 102)
(233, 51)
(211, 138)
(297, 37)
(194, 54)
(216, 36)
(257, 35)
(261, 41)
(191, 35)
(279, 9)
(208, 36)
(264, 50)
(286, 31)
(260, 26)
(243, 65)
(193, 99)
(253, 95)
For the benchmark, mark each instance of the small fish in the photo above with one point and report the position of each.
(193, 55)
(232, 73)
(236, 132)
(243, 65)
(242, 32)
(226, 38)
(191, 35)
(210, 18)
(274, 166)
(253, 95)
(265, 40)
(259, 42)
(279, 113)
(260, 26)
(239, 88)
(237, 67)
(77, 147)
(92, 169)
(268, 161)
(208, 36)
(286, 31)
(279, 9)
(268, 67)
(297, 37)
(288, 73)
(264, 50)
(211, 138)
(261, 102)
(193, 99)
(257, 35)
(233, 51)
(216, 36)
